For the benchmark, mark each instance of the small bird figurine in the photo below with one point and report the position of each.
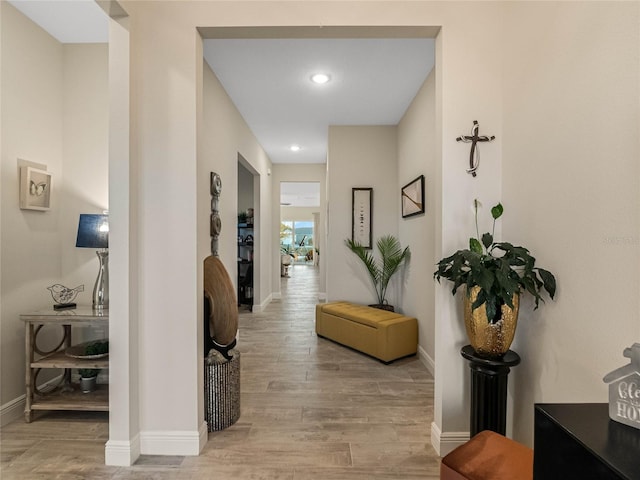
(62, 294)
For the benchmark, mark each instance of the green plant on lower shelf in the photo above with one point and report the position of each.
(88, 372)
(97, 348)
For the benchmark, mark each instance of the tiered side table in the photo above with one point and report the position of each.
(65, 395)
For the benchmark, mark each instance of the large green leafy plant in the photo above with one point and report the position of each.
(392, 255)
(500, 269)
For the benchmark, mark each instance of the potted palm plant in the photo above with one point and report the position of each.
(494, 275)
(392, 256)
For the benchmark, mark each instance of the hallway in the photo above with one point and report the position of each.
(310, 409)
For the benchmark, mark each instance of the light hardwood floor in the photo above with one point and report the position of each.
(310, 409)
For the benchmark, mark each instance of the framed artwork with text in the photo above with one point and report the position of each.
(362, 204)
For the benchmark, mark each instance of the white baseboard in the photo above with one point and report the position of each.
(276, 295)
(322, 296)
(14, 409)
(257, 308)
(204, 435)
(122, 453)
(426, 360)
(173, 442)
(445, 442)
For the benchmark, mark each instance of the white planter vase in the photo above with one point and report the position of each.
(88, 385)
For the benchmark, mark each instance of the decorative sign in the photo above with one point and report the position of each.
(362, 211)
(624, 389)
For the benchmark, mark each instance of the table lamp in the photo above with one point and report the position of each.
(93, 232)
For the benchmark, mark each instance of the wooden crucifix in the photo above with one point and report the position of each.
(474, 138)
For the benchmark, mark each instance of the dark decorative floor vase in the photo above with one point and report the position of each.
(222, 390)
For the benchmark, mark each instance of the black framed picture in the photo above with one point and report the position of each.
(362, 205)
(413, 197)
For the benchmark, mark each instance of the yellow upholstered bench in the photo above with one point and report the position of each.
(384, 335)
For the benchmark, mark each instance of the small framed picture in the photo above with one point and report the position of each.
(413, 197)
(361, 200)
(35, 189)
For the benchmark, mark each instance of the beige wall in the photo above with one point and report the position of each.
(32, 108)
(54, 112)
(225, 137)
(85, 150)
(359, 157)
(298, 213)
(572, 193)
(417, 156)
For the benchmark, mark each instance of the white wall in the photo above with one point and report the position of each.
(572, 195)
(359, 157)
(54, 112)
(417, 156)
(123, 446)
(468, 88)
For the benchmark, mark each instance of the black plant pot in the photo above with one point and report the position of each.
(383, 306)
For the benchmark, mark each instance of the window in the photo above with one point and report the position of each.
(296, 238)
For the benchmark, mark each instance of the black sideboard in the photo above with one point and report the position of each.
(579, 441)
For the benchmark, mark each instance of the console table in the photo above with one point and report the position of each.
(489, 389)
(64, 395)
(580, 441)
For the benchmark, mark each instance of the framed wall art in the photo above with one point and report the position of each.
(413, 197)
(362, 203)
(35, 189)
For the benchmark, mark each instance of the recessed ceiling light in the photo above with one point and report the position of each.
(320, 78)
(294, 148)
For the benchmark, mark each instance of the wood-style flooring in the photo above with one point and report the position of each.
(310, 409)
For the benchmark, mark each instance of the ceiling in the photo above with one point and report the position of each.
(68, 21)
(373, 80)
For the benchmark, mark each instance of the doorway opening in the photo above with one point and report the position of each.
(248, 239)
(299, 211)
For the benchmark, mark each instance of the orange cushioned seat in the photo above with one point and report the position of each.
(488, 456)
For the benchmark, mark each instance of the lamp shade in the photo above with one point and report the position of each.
(93, 231)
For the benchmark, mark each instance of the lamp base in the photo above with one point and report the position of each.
(101, 288)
